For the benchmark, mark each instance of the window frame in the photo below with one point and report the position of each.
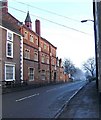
(30, 74)
(43, 75)
(8, 31)
(45, 46)
(26, 53)
(26, 35)
(12, 65)
(47, 59)
(43, 58)
(36, 55)
(36, 41)
(31, 38)
(9, 41)
(7, 51)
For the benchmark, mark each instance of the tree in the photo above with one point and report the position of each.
(69, 66)
(90, 66)
(79, 74)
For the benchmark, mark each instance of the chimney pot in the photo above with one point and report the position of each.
(37, 26)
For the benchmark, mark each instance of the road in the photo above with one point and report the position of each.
(43, 102)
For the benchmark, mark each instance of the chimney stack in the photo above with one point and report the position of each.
(37, 26)
(4, 4)
(60, 62)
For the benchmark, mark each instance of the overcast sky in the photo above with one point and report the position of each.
(60, 24)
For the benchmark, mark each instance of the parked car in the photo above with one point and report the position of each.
(71, 79)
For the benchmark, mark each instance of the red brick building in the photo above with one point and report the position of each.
(39, 55)
(33, 58)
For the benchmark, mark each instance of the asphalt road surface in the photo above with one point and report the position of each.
(43, 102)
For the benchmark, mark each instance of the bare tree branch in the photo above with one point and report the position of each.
(89, 66)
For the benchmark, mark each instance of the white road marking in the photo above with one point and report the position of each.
(55, 88)
(51, 89)
(27, 97)
(60, 98)
(62, 86)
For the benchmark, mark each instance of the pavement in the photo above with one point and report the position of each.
(22, 87)
(85, 104)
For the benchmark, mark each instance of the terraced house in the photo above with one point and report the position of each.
(11, 44)
(31, 58)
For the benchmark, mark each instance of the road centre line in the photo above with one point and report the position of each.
(61, 87)
(51, 89)
(18, 100)
(55, 88)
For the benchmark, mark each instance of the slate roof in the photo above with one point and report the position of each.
(11, 23)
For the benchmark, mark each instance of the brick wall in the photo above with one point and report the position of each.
(16, 54)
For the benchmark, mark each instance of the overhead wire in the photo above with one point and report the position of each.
(51, 12)
(51, 21)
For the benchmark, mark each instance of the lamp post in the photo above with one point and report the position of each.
(95, 49)
(87, 20)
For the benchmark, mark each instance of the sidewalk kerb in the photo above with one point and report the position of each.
(59, 112)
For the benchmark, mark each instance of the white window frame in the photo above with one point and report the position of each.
(36, 55)
(29, 73)
(25, 35)
(8, 31)
(9, 41)
(27, 53)
(12, 65)
(43, 59)
(7, 55)
(47, 60)
(31, 38)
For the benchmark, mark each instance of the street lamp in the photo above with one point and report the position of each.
(87, 20)
(95, 49)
